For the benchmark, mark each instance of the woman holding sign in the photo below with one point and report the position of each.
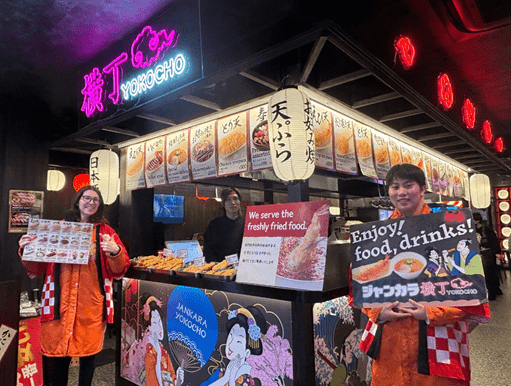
(77, 299)
(403, 331)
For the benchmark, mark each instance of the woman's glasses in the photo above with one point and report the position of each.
(88, 199)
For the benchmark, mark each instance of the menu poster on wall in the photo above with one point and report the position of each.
(344, 144)
(406, 154)
(177, 157)
(284, 245)
(135, 157)
(427, 170)
(433, 259)
(442, 171)
(459, 187)
(395, 152)
(202, 151)
(259, 139)
(466, 186)
(435, 176)
(58, 241)
(449, 172)
(381, 154)
(23, 205)
(417, 158)
(232, 144)
(322, 124)
(155, 162)
(363, 146)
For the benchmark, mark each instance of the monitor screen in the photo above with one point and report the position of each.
(168, 209)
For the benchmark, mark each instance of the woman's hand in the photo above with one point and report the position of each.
(417, 310)
(180, 376)
(232, 370)
(391, 312)
(26, 239)
(108, 245)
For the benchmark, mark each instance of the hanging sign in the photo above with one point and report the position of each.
(395, 152)
(202, 151)
(135, 160)
(259, 138)
(285, 245)
(155, 162)
(24, 205)
(232, 155)
(177, 157)
(381, 154)
(433, 259)
(104, 174)
(323, 136)
(364, 148)
(427, 170)
(344, 144)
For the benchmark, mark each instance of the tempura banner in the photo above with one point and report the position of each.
(155, 162)
(135, 156)
(232, 144)
(395, 152)
(322, 123)
(177, 157)
(363, 146)
(259, 141)
(344, 144)
(433, 259)
(284, 245)
(202, 151)
(381, 154)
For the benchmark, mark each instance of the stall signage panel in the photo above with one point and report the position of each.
(381, 154)
(205, 333)
(135, 160)
(284, 245)
(432, 258)
(364, 147)
(202, 151)
(177, 160)
(160, 57)
(232, 144)
(155, 162)
(344, 144)
(259, 141)
(23, 205)
(30, 363)
(323, 136)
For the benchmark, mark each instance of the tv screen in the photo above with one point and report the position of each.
(168, 209)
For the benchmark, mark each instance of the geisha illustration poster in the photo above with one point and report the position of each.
(337, 335)
(432, 258)
(177, 335)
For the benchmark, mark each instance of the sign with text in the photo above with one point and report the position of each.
(284, 245)
(433, 259)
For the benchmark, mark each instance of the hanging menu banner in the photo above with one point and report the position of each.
(427, 170)
(344, 144)
(232, 144)
(23, 205)
(135, 166)
(381, 154)
(202, 151)
(259, 140)
(395, 152)
(322, 124)
(363, 145)
(155, 162)
(433, 259)
(284, 245)
(177, 157)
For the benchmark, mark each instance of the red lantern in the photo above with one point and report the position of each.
(468, 113)
(80, 181)
(406, 51)
(486, 132)
(499, 145)
(445, 93)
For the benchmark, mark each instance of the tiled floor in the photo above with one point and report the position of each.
(490, 348)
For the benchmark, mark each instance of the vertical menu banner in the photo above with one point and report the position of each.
(344, 144)
(395, 152)
(259, 139)
(135, 157)
(323, 136)
(232, 151)
(202, 151)
(381, 154)
(177, 145)
(364, 147)
(155, 162)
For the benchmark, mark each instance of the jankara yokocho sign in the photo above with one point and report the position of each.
(433, 259)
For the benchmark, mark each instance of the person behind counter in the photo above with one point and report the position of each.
(224, 234)
(397, 360)
(77, 298)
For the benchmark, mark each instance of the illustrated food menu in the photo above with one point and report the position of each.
(58, 241)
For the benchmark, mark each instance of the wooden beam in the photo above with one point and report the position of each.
(402, 114)
(116, 130)
(420, 127)
(436, 136)
(375, 100)
(448, 144)
(344, 79)
(156, 118)
(313, 57)
(258, 78)
(201, 102)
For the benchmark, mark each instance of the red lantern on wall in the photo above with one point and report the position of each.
(486, 132)
(405, 50)
(445, 93)
(468, 114)
(499, 145)
(80, 181)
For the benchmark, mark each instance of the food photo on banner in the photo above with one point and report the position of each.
(433, 259)
(177, 335)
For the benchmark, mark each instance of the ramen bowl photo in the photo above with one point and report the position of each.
(408, 265)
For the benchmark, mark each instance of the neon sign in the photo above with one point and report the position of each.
(445, 94)
(468, 113)
(499, 145)
(406, 51)
(149, 47)
(486, 132)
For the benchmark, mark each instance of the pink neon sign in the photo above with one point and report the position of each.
(147, 48)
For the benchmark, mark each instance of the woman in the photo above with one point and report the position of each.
(158, 365)
(77, 298)
(246, 327)
(224, 234)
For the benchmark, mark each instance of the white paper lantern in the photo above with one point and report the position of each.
(480, 191)
(104, 174)
(55, 180)
(291, 135)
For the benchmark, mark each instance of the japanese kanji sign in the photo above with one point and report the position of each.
(433, 259)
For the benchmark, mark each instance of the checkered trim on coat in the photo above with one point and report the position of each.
(48, 298)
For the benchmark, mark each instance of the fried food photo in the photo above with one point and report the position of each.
(136, 165)
(231, 142)
(323, 134)
(372, 271)
(363, 148)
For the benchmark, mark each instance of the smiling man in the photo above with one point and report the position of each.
(406, 186)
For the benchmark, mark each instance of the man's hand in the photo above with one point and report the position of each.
(417, 310)
(392, 312)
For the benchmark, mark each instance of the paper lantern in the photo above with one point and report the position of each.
(291, 134)
(55, 180)
(480, 191)
(104, 174)
(80, 181)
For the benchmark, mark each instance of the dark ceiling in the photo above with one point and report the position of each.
(346, 53)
